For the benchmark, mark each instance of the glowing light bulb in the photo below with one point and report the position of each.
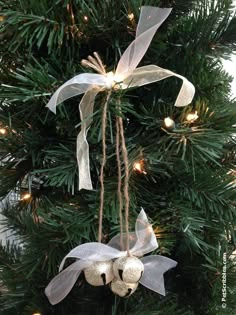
(139, 167)
(191, 117)
(26, 196)
(86, 18)
(169, 123)
(36, 314)
(3, 131)
(112, 79)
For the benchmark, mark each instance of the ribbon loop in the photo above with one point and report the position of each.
(94, 251)
(151, 73)
(146, 239)
(150, 20)
(77, 85)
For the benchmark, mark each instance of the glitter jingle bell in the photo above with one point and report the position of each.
(123, 289)
(128, 269)
(99, 273)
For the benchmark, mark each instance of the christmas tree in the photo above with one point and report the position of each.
(181, 160)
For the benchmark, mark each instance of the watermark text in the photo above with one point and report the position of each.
(224, 282)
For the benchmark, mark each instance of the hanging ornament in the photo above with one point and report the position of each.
(126, 76)
(95, 259)
(128, 269)
(100, 273)
(123, 289)
(142, 241)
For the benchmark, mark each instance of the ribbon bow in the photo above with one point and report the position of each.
(127, 75)
(143, 241)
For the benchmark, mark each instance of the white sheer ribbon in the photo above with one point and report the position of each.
(143, 241)
(127, 75)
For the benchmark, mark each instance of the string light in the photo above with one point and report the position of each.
(112, 79)
(139, 167)
(191, 117)
(85, 18)
(131, 16)
(3, 131)
(26, 196)
(36, 314)
(169, 123)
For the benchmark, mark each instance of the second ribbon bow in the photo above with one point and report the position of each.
(127, 75)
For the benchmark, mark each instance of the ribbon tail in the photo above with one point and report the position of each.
(154, 268)
(61, 285)
(149, 74)
(86, 111)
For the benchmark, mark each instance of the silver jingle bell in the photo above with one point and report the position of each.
(128, 269)
(99, 273)
(123, 289)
